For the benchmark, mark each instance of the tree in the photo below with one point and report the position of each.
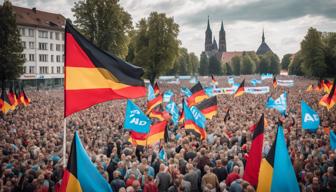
(11, 59)
(264, 64)
(329, 42)
(194, 63)
(183, 62)
(296, 65)
(204, 65)
(228, 69)
(235, 61)
(156, 44)
(274, 63)
(248, 66)
(105, 23)
(214, 66)
(285, 61)
(313, 54)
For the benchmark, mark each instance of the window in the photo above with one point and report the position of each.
(23, 56)
(51, 47)
(58, 58)
(57, 35)
(43, 57)
(58, 69)
(31, 57)
(43, 46)
(52, 58)
(52, 70)
(62, 48)
(31, 45)
(22, 31)
(43, 70)
(31, 32)
(23, 44)
(24, 69)
(58, 47)
(31, 69)
(43, 34)
(51, 35)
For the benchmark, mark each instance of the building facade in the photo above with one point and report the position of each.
(42, 36)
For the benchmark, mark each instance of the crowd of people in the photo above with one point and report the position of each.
(31, 141)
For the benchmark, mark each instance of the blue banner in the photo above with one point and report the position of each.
(255, 82)
(167, 96)
(231, 80)
(279, 104)
(266, 76)
(173, 110)
(186, 91)
(309, 118)
(135, 119)
(150, 93)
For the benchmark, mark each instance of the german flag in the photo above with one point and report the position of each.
(275, 83)
(208, 107)
(94, 76)
(156, 89)
(198, 95)
(319, 86)
(240, 91)
(227, 115)
(327, 86)
(191, 124)
(255, 154)
(153, 103)
(156, 133)
(80, 173)
(157, 115)
(24, 99)
(5, 104)
(266, 170)
(213, 80)
(181, 119)
(329, 100)
(12, 98)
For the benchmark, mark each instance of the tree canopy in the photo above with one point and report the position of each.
(11, 58)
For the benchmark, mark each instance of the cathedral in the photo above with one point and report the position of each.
(212, 49)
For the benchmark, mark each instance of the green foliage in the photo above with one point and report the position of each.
(105, 23)
(214, 66)
(204, 65)
(329, 41)
(11, 59)
(194, 63)
(228, 69)
(296, 65)
(236, 62)
(269, 63)
(156, 44)
(183, 62)
(264, 64)
(313, 54)
(285, 61)
(248, 65)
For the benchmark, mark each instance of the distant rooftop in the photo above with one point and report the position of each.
(36, 18)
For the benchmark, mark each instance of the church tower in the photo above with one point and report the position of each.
(208, 38)
(222, 39)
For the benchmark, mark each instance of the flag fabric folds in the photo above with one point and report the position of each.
(194, 121)
(327, 86)
(198, 95)
(150, 93)
(156, 89)
(12, 98)
(284, 178)
(309, 118)
(186, 92)
(253, 162)
(173, 110)
(5, 104)
(310, 88)
(275, 83)
(80, 173)
(279, 104)
(23, 98)
(240, 91)
(329, 100)
(156, 114)
(266, 170)
(213, 80)
(153, 103)
(208, 107)
(94, 76)
(332, 137)
(135, 119)
(156, 133)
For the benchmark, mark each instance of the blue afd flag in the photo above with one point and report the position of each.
(195, 115)
(167, 95)
(332, 137)
(309, 118)
(173, 109)
(150, 93)
(284, 178)
(255, 82)
(135, 119)
(279, 104)
(186, 92)
(208, 91)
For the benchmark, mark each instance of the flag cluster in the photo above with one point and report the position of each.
(13, 99)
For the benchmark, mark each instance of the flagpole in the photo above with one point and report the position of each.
(64, 142)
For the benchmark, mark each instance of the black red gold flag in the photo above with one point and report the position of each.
(240, 91)
(208, 107)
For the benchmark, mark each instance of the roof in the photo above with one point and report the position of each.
(263, 48)
(227, 56)
(36, 18)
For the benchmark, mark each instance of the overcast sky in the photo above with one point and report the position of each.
(285, 21)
